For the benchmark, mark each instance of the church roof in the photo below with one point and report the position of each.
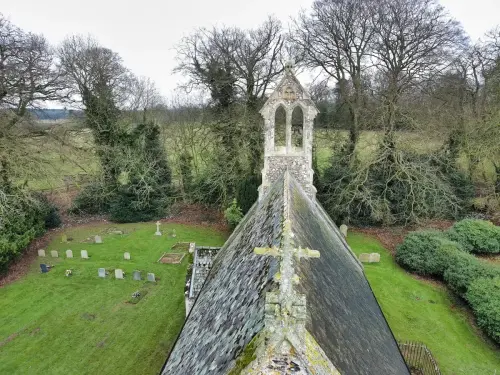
(344, 325)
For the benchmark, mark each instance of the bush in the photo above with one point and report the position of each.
(478, 236)
(92, 199)
(49, 211)
(24, 217)
(484, 298)
(247, 192)
(128, 207)
(426, 252)
(233, 214)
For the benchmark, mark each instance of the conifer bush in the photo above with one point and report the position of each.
(477, 236)
(426, 252)
(484, 297)
(233, 214)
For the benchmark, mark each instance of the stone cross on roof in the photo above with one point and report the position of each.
(285, 309)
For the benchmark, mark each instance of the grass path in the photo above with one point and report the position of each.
(52, 324)
(423, 311)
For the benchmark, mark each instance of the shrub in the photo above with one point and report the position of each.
(463, 269)
(426, 252)
(247, 192)
(478, 236)
(23, 218)
(233, 214)
(484, 298)
(93, 199)
(49, 211)
(129, 207)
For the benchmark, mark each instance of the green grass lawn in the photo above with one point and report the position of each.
(427, 312)
(52, 324)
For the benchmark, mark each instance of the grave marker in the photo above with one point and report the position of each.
(126, 256)
(158, 233)
(374, 258)
(343, 230)
(364, 257)
(151, 277)
(69, 254)
(44, 268)
(64, 238)
(118, 273)
(192, 246)
(54, 254)
(41, 253)
(137, 275)
(101, 272)
(84, 254)
(98, 239)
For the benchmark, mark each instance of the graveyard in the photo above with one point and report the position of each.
(92, 325)
(85, 324)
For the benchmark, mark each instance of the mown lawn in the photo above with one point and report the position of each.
(52, 324)
(427, 312)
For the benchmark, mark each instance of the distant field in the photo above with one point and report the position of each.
(59, 164)
(423, 311)
(83, 324)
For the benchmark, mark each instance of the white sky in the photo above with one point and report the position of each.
(144, 32)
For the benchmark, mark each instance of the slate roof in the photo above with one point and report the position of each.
(343, 315)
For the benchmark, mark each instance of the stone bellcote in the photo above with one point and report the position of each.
(288, 134)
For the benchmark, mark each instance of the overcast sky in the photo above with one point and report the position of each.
(144, 32)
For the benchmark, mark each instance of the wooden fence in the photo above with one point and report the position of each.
(419, 358)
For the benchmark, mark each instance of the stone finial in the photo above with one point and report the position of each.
(289, 65)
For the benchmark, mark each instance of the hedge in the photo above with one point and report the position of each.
(426, 252)
(477, 236)
(484, 297)
(433, 253)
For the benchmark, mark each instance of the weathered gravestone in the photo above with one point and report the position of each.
(101, 272)
(151, 277)
(137, 275)
(69, 254)
(364, 257)
(64, 238)
(158, 233)
(98, 239)
(41, 253)
(192, 247)
(44, 268)
(343, 230)
(126, 256)
(118, 273)
(84, 254)
(374, 258)
(54, 254)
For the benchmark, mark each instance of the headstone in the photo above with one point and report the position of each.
(84, 254)
(69, 254)
(44, 268)
(343, 230)
(374, 258)
(158, 233)
(101, 272)
(64, 238)
(151, 277)
(54, 254)
(192, 246)
(364, 257)
(41, 253)
(173, 234)
(98, 239)
(118, 273)
(126, 256)
(137, 275)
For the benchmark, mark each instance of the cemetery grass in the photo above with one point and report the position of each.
(83, 324)
(425, 311)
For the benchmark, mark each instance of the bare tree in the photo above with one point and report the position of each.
(98, 78)
(414, 40)
(28, 77)
(336, 37)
